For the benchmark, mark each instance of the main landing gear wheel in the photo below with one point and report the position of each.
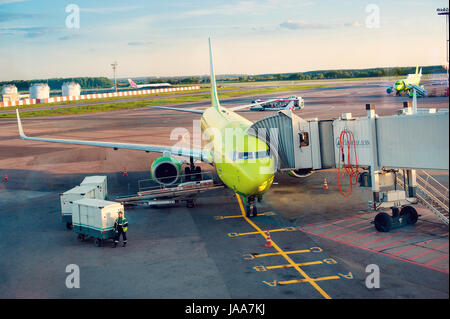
(193, 174)
(198, 173)
(187, 174)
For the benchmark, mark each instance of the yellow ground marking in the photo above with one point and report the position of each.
(298, 264)
(309, 263)
(252, 256)
(240, 216)
(265, 231)
(307, 279)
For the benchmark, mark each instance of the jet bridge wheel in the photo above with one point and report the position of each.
(383, 222)
(409, 214)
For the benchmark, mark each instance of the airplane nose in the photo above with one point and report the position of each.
(257, 178)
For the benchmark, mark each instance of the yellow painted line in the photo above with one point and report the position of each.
(298, 264)
(286, 252)
(265, 231)
(306, 280)
(289, 260)
(240, 216)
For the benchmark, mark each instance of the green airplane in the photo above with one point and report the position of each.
(242, 161)
(407, 85)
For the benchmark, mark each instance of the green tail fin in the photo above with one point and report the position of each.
(214, 99)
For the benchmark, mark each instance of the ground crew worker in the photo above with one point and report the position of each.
(121, 227)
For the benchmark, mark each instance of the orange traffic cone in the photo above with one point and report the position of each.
(125, 172)
(6, 177)
(325, 185)
(268, 241)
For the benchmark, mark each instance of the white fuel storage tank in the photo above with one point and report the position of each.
(71, 89)
(9, 89)
(39, 91)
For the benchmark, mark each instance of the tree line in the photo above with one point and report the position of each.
(56, 83)
(103, 82)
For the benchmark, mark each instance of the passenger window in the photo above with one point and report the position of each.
(304, 139)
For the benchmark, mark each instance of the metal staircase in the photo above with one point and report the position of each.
(430, 193)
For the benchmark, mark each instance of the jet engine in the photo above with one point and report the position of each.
(299, 173)
(166, 170)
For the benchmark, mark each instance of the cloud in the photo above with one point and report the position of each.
(11, 1)
(69, 37)
(107, 10)
(139, 43)
(295, 25)
(9, 16)
(28, 32)
(355, 24)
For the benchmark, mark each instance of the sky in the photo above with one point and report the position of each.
(44, 38)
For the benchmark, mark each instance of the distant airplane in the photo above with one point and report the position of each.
(407, 85)
(287, 103)
(147, 85)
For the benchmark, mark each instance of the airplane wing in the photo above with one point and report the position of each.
(174, 150)
(240, 107)
(176, 109)
(235, 108)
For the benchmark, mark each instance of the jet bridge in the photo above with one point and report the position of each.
(410, 140)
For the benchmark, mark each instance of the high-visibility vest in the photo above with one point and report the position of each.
(121, 221)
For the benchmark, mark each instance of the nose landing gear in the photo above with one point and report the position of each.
(250, 207)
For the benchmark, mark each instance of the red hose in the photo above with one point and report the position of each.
(347, 162)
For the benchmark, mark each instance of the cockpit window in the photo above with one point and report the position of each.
(250, 155)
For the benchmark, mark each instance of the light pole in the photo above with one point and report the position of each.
(114, 66)
(441, 12)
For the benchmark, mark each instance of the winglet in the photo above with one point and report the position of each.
(214, 99)
(19, 123)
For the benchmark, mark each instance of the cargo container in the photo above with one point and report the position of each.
(74, 194)
(95, 218)
(100, 182)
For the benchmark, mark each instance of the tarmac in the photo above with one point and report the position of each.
(322, 242)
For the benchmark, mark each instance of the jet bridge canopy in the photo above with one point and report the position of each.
(406, 140)
(293, 140)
